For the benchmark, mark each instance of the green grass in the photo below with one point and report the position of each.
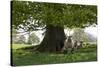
(26, 57)
(18, 46)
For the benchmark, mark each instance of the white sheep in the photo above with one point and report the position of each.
(68, 45)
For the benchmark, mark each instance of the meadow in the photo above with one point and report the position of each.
(21, 57)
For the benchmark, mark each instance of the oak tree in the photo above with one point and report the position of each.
(53, 17)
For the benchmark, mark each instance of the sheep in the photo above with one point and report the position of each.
(68, 45)
(71, 45)
(80, 44)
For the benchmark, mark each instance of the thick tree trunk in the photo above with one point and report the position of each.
(53, 40)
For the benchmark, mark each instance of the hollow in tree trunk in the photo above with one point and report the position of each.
(53, 40)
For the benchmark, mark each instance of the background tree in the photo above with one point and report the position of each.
(53, 17)
(33, 39)
(80, 35)
(21, 39)
(15, 36)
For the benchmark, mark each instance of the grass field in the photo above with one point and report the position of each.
(26, 57)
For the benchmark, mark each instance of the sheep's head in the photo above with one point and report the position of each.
(69, 37)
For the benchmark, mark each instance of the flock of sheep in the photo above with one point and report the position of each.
(70, 45)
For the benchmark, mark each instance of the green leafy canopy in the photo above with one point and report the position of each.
(34, 15)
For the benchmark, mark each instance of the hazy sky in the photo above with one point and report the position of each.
(92, 30)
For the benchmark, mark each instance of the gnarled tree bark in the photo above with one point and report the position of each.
(53, 40)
